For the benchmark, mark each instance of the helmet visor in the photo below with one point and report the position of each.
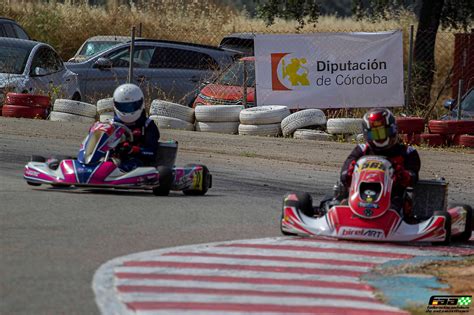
(128, 107)
(378, 134)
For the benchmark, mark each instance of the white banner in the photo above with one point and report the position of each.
(330, 70)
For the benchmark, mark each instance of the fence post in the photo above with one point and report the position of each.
(244, 85)
(132, 51)
(140, 30)
(460, 84)
(409, 70)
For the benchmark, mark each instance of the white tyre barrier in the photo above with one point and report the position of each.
(228, 127)
(311, 134)
(106, 117)
(344, 125)
(60, 116)
(218, 113)
(105, 105)
(168, 109)
(261, 115)
(301, 119)
(75, 107)
(164, 122)
(268, 130)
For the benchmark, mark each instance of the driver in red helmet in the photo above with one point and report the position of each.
(380, 132)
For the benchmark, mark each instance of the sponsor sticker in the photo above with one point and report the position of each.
(368, 233)
(449, 303)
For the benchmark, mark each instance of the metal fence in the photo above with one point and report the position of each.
(178, 71)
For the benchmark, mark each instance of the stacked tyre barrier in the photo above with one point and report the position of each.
(20, 105)
(105, 109)
(348, 129)
(168, 115)
(73, 111)
(307, 124)
(453, 132)
(262, 121)
(218, 118)
(411, 131)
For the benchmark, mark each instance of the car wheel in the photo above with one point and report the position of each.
(76, 97)
(466, 235)
(165, 181)
(206, 182)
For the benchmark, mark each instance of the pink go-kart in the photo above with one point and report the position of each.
(96, 167)
(368, 213)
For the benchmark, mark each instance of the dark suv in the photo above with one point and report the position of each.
(10, 28)
(168, 70)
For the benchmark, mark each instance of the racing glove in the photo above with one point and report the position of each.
(126, 148)
(346, 175)
(403, 177)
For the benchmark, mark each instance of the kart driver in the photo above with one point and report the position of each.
(380, 132)
(130, 110)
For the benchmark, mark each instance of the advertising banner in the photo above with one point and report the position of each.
(330, 70)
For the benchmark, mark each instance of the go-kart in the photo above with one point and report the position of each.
(97, 166)
(368, 212)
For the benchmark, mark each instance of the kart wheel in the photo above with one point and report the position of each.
(33, 183)
(466, 235)
(447, 227)
(206, 182)
(165, 180)
(304, 203)
(37, 158)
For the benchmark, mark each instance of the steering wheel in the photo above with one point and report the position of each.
(128, 132)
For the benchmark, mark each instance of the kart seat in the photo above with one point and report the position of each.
(166, 153)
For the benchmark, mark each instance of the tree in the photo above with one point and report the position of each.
(431, 15)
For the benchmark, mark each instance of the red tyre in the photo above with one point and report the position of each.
(433, 140)
(27, 100)
(19, 111)
(440, 127)
(410, 125)
(467, 141)
(465, 127)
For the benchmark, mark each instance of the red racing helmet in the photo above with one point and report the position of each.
(380, 129)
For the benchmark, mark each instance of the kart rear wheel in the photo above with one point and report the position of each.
(165, 180)
(304, 203)
(206, 182)
(466, 235)
(447, 227)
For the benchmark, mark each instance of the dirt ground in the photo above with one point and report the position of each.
(456, 165)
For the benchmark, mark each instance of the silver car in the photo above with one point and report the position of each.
(168, 70)
(32, 67)
(97, 44)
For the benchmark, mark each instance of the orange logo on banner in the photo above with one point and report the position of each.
(293, 74)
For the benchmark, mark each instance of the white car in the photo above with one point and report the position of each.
(35, 68)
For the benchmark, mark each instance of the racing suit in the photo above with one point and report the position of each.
(143, 150)
(406, 162)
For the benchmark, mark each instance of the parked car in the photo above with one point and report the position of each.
(10, 28)
(97, 44)
(169, 70)
(242, 42)
(467, 106)
(227, 89)
(32, 67)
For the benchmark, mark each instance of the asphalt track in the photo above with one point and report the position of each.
(53, 241)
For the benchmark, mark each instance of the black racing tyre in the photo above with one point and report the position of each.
(53, 161)
(165, 180)
(37, 158)
(304, 203)
(33, 183)
(466, 235)
(447, 227)
(206, 182)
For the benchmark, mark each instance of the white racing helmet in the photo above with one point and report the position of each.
(128, 102)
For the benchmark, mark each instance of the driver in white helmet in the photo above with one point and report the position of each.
(130, 110)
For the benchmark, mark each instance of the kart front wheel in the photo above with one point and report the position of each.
(165, 181)
(205, 184)
(466, 235)
(447, 227)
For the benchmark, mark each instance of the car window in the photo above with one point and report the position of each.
(182, 59)
(20, 32)
(2, 31)
(92, 48)
(468, 102)
(234, 75)
(46, 59)
(13, 59)
(141, 57)
(9, 31)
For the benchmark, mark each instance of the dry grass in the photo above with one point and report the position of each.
(65, 27)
